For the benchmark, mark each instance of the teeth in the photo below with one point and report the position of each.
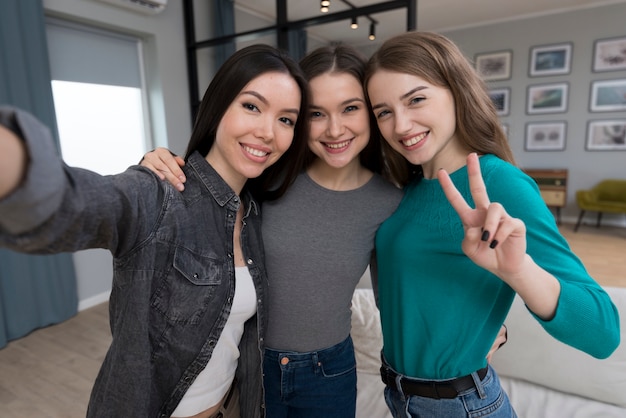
(255, 152)
(337, 145)
(414, 140)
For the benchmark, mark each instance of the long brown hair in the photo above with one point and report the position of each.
(439, 61)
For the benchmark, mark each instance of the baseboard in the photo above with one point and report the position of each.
(93, 301)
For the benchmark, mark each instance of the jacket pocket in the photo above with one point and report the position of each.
(188, 288)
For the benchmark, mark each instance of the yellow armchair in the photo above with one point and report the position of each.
(606, 196)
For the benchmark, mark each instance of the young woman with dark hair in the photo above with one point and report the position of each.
(188, 300)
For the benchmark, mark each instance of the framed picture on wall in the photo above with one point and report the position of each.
(547, 98)
(606, 135)
(609, 54)
(494, 65)
(545, 136)
(550, 59)
(500, 99)
(608, 95)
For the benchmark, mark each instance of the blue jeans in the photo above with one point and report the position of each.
(311, 385)
(487, 399)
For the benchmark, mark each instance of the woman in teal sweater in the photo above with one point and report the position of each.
(450, 259)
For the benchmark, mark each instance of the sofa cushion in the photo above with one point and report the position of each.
(533, 355)
(366, 332)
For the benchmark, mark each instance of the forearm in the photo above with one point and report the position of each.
(13, 160)
(538, 288)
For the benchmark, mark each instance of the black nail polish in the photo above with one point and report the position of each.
(484, 236)
(493, 244)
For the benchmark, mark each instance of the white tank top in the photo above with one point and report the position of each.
(214, 381)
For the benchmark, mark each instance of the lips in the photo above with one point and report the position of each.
(336, 145)
(409, 142)
(254, 151)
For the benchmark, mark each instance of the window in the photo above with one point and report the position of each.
(99, 96)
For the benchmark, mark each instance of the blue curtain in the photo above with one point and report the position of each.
(35, 291)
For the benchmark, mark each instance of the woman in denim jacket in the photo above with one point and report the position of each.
(183, 328)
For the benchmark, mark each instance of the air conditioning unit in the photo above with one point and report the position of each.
(151, 7)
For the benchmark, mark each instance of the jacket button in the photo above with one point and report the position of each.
(250, 261)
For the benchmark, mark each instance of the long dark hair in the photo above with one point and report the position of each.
(238, 70)
(439, 61)
(340, 59)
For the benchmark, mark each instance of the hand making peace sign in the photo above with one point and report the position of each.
(493, 239)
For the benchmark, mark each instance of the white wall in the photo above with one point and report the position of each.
(166, 71)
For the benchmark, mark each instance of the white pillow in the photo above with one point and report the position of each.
(533, 355)
(366, 332)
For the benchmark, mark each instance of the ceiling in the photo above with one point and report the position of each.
(432, 15)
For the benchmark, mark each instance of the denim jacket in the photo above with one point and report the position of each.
(173, 281)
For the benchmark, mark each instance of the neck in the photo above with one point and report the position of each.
(349, 177)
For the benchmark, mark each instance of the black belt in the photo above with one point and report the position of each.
(446, 389)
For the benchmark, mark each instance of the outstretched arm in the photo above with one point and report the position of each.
(166, 165)
(497, 242)
(13, 160)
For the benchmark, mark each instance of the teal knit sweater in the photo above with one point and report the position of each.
(441, 313)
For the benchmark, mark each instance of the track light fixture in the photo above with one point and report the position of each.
(372, 31)
(324, 5)
(354, 24)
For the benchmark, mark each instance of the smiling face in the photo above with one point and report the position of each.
(417, 119)
(257, 128)
(339, 128)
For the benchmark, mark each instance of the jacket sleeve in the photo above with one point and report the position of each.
(58, 208)
(39, 195)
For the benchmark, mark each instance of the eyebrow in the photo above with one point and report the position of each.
(264, 100)
(344, 103)
(404, 96)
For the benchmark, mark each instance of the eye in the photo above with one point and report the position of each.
(382, 114)
(351, 108)
(417, 100)
(316, 114)
(250, 107)
(287, 121)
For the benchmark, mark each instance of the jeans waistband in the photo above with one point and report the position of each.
(435, 389)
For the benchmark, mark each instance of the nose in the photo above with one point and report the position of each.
(265, 128)
(402, 123)
(335, 127)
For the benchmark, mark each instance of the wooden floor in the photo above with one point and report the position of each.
(49, 373)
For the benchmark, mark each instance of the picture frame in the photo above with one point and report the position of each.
(606, 135)
(608, 95)
(545, 136)
(547, 98)
(609, 54)
(549, 60)
(494, 66)
(501, 100)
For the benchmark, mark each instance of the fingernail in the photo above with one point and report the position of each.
(180, 187)
(182, 178)
(484, 236)
(493, 244)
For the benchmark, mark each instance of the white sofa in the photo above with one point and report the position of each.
(543, 377)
